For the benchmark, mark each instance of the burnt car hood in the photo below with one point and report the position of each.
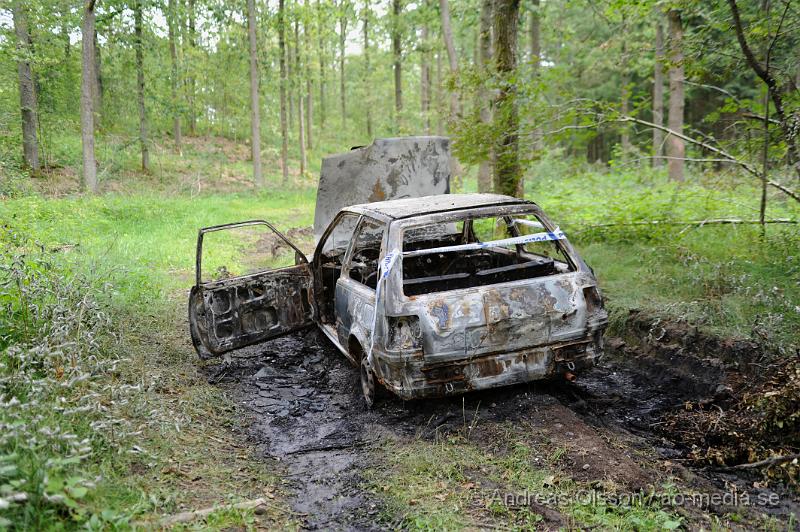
(406, 167)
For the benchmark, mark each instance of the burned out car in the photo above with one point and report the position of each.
(429, 296)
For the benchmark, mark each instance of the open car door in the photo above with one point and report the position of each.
(256, 285)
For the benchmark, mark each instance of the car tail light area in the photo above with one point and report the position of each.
(404, 333)
(594, 300)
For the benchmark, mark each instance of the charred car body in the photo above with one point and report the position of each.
(429, 296)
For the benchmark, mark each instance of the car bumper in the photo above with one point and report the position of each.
(413, 378)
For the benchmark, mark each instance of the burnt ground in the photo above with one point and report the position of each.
(305, 415)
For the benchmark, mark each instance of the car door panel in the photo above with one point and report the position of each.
(233, 313)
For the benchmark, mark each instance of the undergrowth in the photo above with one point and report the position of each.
(60, 405)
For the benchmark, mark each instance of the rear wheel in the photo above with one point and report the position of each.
(368, 384)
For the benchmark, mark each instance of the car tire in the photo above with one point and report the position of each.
(369, 385)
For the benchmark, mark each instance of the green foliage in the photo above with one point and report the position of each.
(58, 408)
(724, 277)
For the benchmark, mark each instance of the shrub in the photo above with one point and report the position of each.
(57, 385)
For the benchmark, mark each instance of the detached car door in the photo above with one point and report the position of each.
(251, 284)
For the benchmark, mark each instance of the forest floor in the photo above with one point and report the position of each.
(697, 314)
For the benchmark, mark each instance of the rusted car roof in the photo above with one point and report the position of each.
(406, 207)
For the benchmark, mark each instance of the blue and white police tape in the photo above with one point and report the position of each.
(557, 234)
(383, 272)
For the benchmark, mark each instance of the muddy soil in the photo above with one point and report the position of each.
(307, 413)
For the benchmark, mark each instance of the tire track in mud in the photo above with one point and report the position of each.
(307, 413)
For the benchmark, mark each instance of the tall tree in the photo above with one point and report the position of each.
(535, 44)
(255, 112)
(97, 80)
(63, 14)
(342, 37)
(790, 123)
(506, 119)
(309, 79)
(625, 81)
(192, 82)
(172, 24)
(535, 31)
(658, 94)
(282, 62)
(87, 113)
(484, 60)
(425, 70)
(447, 34)
(301, 141)
(321, 21)
(367, 70)
(290, 76)
(397, 55)
(138, 44)
(27, 88)
(676, 149)
(439, 91)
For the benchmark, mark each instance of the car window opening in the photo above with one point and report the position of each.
(452, 269)
(331, 257)
(363, 264)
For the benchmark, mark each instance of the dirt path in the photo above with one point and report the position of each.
(307, 414)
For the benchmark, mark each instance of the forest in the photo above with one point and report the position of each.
(663, 136)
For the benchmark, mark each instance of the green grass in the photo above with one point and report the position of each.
(726, 278)
(454, 483)
(148, 239)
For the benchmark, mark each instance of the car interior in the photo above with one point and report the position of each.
(451, 270)
(363, 265)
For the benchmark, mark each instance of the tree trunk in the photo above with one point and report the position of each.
(625, 79)
(300, 97)
(255, 111)
(309, 108)
(397, 51)
(137, 29)
(27, 89)
(439, 113)
(290, 77)
(425, 73)
(309, 114)
(173, 54)
(367, 71)
(63, 13)
(192, 82)
(676, 149)
(87, 113)
(536, 62)
(342, 91)
(447, 34)
(321, 55)
(282, 61)
(507, 166)
(658, 95)
(97, 83)
(484, 62)
(535, 31)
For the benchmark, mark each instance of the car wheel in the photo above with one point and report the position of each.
(368, 384)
